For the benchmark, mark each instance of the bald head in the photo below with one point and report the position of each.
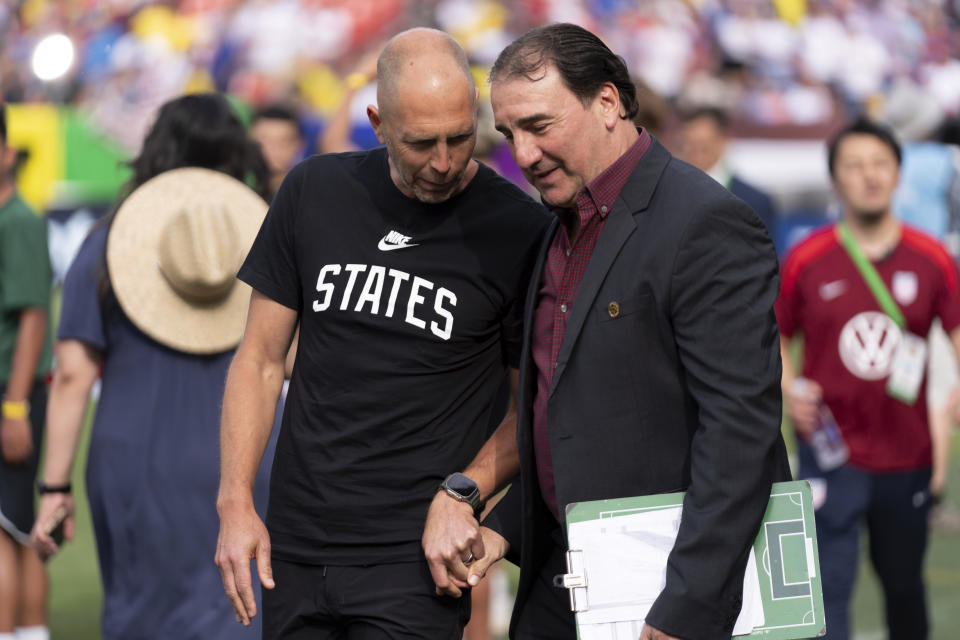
(421, 63)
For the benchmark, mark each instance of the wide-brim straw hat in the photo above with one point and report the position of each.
(173, 252)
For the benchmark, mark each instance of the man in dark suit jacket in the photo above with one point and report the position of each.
(651, 357)
(702, 141)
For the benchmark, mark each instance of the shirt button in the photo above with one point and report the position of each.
(563, 308)
(568, 252)
(603, 208)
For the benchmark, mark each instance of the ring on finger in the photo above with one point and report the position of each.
(469, 559)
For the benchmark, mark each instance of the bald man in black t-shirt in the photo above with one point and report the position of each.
(406, 268)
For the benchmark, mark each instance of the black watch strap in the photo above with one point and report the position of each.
(43, 488)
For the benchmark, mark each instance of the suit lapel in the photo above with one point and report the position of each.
(619, 226)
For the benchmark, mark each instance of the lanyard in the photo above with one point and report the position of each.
(871, 277)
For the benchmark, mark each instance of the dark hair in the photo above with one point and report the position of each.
(584, 62)
(277, 112)
(196, 130)
(718, 115)
(3, 124)
(949, 132)
(863, 126)
(199, 130)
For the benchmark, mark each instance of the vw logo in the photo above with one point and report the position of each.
(867, 344)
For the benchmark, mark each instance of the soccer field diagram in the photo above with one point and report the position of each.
(785, 551)
(789, 569)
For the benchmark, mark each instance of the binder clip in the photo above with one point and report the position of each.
(575, 581)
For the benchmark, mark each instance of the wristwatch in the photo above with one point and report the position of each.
(460, 487)
(43, 488)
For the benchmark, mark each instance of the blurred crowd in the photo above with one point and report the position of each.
(784, 67)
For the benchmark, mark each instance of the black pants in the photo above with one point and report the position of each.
(374, 602)
(17, 480)
(894, 507)
(546, 612)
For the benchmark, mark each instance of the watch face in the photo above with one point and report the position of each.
(461, 484)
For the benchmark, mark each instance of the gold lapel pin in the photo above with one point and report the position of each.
(613, 309)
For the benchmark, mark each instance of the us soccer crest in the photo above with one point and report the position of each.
(905, 286)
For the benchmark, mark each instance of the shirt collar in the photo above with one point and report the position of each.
(603, 191)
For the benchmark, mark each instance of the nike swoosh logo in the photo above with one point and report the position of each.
(832, 290)
(384, 246)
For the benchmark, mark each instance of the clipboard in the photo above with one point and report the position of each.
(784, 561)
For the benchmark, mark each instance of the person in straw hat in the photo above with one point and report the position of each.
(152, 306)
(406, 269)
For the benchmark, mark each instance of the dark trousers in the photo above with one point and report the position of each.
(374, 602)
(894, 507)
(17, 481)
(546, 612)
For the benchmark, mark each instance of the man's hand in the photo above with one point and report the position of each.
(16, 440)
(242, 537)
(40, 538)
(649, 633)
(451, 540)
(496, 547)
(802, 404)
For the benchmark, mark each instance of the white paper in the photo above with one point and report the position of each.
(625, 560)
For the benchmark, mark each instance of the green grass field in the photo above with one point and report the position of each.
(76, 594)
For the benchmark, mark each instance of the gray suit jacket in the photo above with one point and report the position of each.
(677, 391)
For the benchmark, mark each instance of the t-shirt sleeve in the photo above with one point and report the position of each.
(788, 301)
(271, 265)
(948, 302)
(25, 264)
(511, 327)
(81, 314)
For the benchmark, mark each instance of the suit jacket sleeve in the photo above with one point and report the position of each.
(722, 291)
(506, 518)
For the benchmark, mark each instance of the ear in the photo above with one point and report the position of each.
(373, 115)
(8, 158)
(608, 103)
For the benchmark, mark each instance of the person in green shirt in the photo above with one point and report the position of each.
(24, 360)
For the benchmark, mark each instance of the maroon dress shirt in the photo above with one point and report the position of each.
(562, 273)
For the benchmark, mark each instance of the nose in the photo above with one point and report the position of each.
(440, 160)
(526, 153)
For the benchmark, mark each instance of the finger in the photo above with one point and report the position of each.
(68, 528)
(241, 571)
(478, 570)
(230, 588)
(438, 571)
(264, 568)
(44, 545)
(452, 589)
(477, 548)
(458, 570)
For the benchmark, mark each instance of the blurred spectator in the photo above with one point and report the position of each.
(703, 138)
(925, 198)
(864, 357)
(24, 361)
(132, 56)
(277, 130)
(156, 312)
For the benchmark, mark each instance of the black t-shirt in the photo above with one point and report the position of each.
(409, 315)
